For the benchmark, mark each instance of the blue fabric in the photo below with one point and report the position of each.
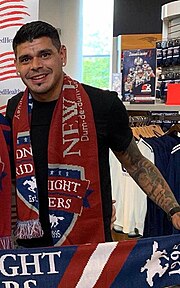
(144, 263)
(156, 222)
(6, 129)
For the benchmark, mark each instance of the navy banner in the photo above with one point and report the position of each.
(151, 262)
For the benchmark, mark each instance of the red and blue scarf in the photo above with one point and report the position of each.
(5, 186)
(75, 208)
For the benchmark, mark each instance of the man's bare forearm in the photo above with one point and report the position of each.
(148, 177)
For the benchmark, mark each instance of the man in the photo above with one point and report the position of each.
(62, 133)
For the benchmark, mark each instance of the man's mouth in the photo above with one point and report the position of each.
(38, 77)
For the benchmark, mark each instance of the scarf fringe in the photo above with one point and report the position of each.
(6, 243)
(28, 229)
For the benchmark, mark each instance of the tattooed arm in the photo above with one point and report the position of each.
(149, 178)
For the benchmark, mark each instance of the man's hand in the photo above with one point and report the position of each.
(113, 216)
(176, 220)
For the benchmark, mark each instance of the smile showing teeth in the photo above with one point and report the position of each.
(39, 77)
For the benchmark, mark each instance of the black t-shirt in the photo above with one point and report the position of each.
(112, 127)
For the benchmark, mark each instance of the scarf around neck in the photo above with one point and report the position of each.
(75, 208)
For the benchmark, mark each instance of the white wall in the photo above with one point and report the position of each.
(67, 15)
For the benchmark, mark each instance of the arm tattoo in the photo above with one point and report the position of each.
(148, 177)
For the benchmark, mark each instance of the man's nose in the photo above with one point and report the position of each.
(36, 63)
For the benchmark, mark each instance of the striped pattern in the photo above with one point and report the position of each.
(7, 68)
(12, 13)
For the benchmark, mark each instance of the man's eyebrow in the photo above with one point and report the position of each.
(45, 51)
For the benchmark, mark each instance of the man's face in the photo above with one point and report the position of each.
(40, 66)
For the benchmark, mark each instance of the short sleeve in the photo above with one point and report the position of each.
(119, 131)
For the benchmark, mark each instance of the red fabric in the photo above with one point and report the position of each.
(5, 195)
(28, 225)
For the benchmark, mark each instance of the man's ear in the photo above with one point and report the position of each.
(63, 53)
(15, 64)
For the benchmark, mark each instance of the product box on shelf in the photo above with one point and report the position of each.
(173, 94)
(139, 76)
(168, 60)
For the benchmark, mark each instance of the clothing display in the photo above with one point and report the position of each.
(174, 170)
(157, 223)
(136, 214)
(112, 132)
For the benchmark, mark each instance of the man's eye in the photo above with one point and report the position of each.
(45, 55)
(25, 60)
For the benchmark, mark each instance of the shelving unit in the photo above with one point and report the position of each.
(170, 15)
(152, 107)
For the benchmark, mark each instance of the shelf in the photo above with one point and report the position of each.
(151, 107)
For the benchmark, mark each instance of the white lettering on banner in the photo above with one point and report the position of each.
(26, 283)
(8, 284)
(59, 203)
(68, 151)
(84, 138)
(85, 132)
(24, 264)
(32, 199)
(24, 169)
(18, 111)
(82, 116)
(69, 110)
(176, 265)
(24, 152)
(56, 233)
(63, 185)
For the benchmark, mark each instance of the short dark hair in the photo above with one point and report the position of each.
(34, 30)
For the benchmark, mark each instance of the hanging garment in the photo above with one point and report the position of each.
(131, 201)
(173, 177)
(156, 223)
